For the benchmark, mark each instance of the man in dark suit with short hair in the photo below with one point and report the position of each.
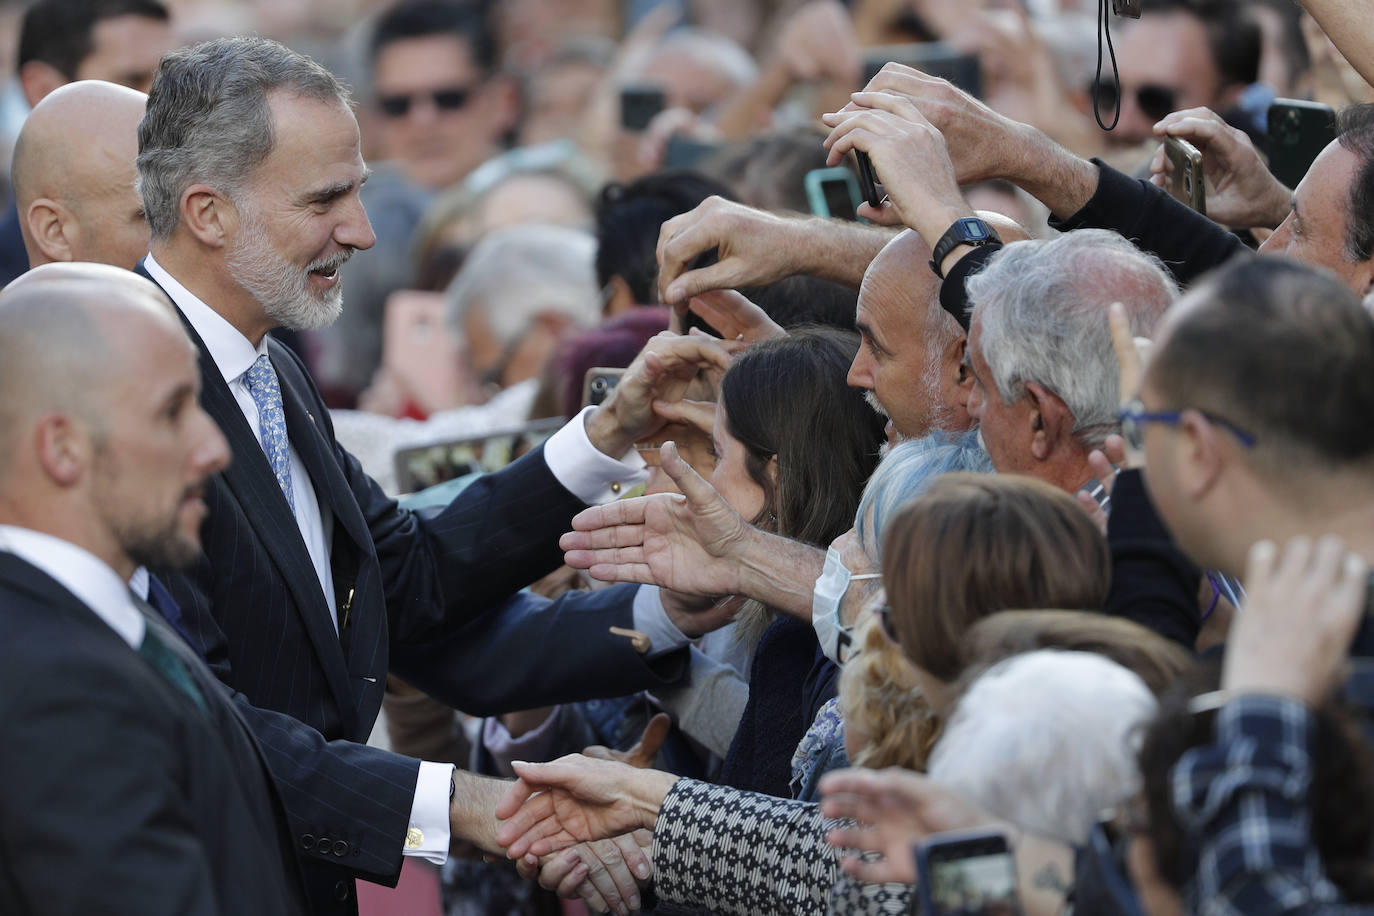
(313, 584)
(128, 782)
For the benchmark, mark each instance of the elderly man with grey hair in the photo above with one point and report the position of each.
(519, 292)
(1045, 375)
(313, 585)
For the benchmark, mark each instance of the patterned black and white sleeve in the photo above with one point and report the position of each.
(735, 852)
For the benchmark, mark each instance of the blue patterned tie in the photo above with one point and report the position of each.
(261, 381)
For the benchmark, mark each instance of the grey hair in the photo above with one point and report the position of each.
(208, 118)
(1042, 307)
(518, 272)
(1047, 740)
(713, 50)
(906, 472)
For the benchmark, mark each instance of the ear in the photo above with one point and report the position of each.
(1050, 420)
(209, 215)
(1366, 279)
(771, 469)
(1203, 457)
(956, 381)
(37, 79)
(64, 449)
(52, 229)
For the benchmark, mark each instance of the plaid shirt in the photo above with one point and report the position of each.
(1243, 802)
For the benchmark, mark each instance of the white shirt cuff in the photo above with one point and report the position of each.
(585, 472)
(652, 620)
(428, 836)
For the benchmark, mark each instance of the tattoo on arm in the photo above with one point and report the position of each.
(1051, 879)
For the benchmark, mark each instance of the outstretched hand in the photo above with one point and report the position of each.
(754, 247)
(606, 874)
(688, 543)
(662, 371)
(576, 799)
(895, 809)
(734, 316)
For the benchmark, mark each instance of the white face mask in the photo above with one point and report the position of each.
(826, 598)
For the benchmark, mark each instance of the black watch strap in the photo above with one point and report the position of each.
(969, 230)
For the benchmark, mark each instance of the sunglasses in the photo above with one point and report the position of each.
(1155, 101)
(449, 98)
(1134, 416)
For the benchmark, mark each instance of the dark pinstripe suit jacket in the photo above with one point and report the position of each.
(432, 596)
(117, 793)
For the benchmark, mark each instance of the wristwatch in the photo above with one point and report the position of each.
(970, 230)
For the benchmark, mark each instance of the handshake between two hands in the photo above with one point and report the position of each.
(604, 861)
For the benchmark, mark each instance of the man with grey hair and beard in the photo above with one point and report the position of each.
(313, 585)
(1045, 374)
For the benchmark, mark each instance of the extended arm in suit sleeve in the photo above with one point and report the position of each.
(533, 652)
(442, 567)
(347, 804)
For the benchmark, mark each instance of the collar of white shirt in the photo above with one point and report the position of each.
(233, 353)
(83, 574)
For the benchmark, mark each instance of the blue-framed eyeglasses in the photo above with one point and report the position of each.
(1134, 416)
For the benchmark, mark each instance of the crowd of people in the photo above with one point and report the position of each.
(508, 375)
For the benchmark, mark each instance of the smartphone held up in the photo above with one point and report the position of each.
(967, 874)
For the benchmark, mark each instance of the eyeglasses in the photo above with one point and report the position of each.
(1134, 416)
(448, 98)
(1154, 101)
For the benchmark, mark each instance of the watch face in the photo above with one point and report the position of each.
(974, 230)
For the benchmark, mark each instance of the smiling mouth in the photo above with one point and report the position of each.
(327, 269)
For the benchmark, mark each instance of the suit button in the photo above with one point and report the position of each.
(340, 848)
(341, 891)
(308, 841)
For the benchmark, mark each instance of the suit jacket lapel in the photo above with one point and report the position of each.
(249, 477)
(317, 452)
(351, 538)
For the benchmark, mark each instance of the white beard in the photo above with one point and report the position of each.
(280, 287)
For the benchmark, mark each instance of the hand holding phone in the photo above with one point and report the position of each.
(868, 179)
(967, 874)
(833, 193)
(1186, 183)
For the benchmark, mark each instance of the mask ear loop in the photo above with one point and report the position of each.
(1104, 28)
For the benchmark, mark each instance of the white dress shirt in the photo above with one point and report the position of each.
(575, 463)
(83, 574)
(234, 355)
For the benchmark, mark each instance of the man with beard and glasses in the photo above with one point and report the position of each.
(128, 782)
(312, 585)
